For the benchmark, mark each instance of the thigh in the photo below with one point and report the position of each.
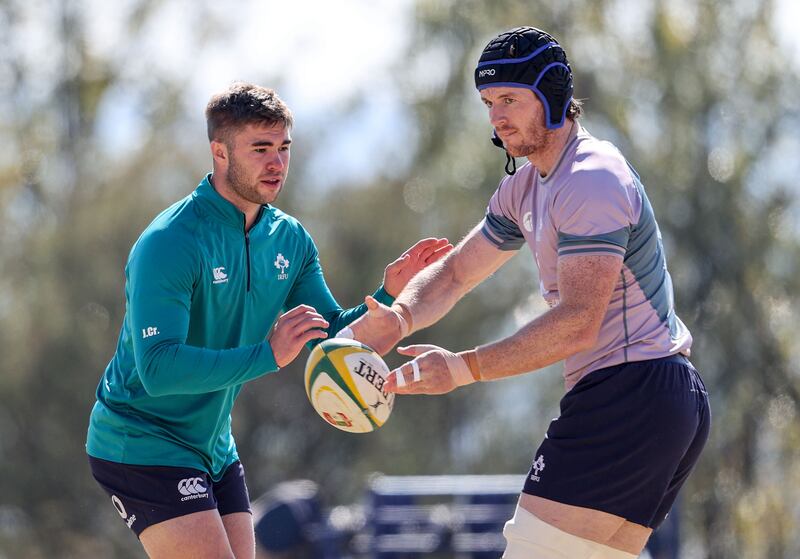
(631, 537)
(231, 491)
(591, 525)
(529, 536)
(239, 529)
(233, 503)
(200, 535)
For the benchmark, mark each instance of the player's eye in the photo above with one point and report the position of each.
(508, 100)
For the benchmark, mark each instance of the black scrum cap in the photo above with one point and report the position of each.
(530, 58)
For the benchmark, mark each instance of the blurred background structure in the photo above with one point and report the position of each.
(405, 517)
(101, 127)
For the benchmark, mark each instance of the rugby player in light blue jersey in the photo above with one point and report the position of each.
(221, 288)
(636, 415)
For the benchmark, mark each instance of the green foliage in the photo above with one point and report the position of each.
(697, 95)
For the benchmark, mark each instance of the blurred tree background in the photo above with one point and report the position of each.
(698, 95)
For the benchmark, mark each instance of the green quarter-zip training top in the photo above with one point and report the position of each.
(201, 296)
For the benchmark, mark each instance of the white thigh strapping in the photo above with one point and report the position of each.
(527, 537)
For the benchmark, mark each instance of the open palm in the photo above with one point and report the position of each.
(411, 262)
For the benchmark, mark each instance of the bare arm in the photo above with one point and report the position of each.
(585, 285)
(430, 294)
(433, 292)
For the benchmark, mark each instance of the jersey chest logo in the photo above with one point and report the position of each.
(527, 222)
(219, 274)
(281, 264)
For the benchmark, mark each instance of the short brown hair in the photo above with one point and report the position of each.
(242, 104)
(575, 109)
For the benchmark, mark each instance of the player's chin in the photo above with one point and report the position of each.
(518, 151)
(269, 192)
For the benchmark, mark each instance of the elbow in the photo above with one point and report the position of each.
(586, 337)
(584, 343)
(152, 378)
(581, 325)
(151, 384)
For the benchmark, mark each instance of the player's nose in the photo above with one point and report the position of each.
(497, 115)
(277, 162)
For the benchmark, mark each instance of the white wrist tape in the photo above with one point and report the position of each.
(345, 332)
(458, 369)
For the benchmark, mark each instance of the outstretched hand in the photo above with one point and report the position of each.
(382, 327)
(411, 262)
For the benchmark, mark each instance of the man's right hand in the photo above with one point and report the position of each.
(293, 330)
(380, 328)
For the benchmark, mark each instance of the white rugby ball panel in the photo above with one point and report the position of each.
(344, 382)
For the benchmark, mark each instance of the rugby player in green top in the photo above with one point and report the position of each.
(221, 288)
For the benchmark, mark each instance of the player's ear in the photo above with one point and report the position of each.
(219, 151)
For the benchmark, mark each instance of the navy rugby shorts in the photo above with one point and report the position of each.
(146, 495)
(627, 438)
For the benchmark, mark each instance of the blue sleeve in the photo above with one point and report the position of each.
(502, 232)
(161, 275)
(501, 224)
(311, 289)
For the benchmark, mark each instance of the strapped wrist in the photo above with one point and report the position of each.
(458, 368)
(470, 357)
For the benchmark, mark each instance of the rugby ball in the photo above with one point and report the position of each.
(344, 383)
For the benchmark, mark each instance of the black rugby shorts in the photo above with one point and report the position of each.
(146, 495)
(626, 440)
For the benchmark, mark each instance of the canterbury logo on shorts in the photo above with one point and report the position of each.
(193, 488)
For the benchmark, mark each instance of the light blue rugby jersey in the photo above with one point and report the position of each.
(594, 203)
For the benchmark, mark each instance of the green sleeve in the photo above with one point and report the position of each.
(311, 289)
(161, 274)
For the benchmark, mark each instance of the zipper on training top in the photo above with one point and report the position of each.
(247, 241)
(247, 251)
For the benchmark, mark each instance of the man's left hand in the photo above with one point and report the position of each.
(430, 372)
(412, 261)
